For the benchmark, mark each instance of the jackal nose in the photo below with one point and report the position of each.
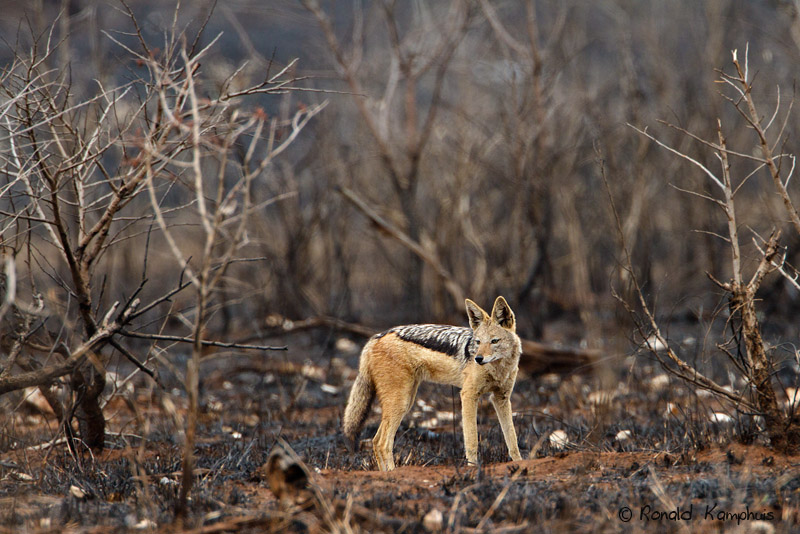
(479, 359)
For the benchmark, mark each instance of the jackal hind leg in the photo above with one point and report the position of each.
(394, 405)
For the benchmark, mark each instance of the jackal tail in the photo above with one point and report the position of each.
(358, 405)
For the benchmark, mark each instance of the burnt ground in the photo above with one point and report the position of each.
(641, 454)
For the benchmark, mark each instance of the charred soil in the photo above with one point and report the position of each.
(646, 454)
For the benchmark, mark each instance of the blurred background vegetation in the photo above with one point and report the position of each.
(476, 134)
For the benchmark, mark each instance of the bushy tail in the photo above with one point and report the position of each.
(361, 397)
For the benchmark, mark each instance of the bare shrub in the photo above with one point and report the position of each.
(162, 166)
(746, 350)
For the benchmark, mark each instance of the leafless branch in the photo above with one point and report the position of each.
(203, 342)
(428, 256)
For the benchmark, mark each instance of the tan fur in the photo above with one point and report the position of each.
(392, 369)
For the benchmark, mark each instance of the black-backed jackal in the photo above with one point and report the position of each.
(483, 358)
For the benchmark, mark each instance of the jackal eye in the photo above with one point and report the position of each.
(495, 341)
(477, 341)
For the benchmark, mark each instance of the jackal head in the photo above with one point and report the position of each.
(494, 335)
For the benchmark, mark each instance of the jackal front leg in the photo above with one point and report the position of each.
(469, 422)
(502, 405)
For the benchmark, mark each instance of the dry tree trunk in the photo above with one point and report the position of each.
(758, 366)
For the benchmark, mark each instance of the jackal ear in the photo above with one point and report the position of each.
(476, 314)
(502, 314)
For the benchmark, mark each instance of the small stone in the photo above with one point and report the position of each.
(623, 435)
(76, 492)
(721, 418)
(558, 439)
(145, 524)
(329, 389)
(433, 520)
